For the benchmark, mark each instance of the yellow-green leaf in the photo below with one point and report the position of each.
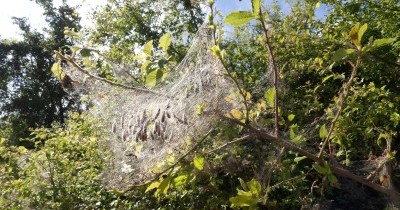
(238, 18)
(291, 117)
(243, 201)
(154, 77)
(165, 41)
(298, 159)
(327, 78)
(243, 184)
(153, 185)
(341, 53)
(354, 35)
(320, 169)
(323, 132)
(216, 51)
(57, 71)
(361, 31)
(198, 162)
(180, 180)
(256, 7)
(270, 97)
(254, 187)
(140, 57)
(237, 114)
(145, 67)
(381, 42)
(164, 185)
(147, 48)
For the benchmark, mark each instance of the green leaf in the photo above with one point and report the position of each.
(145, 67)
(216, 51)
(256, 7)
(243, 201)
(237, 114)
(298, 159)
(85, 52)
(291, 117)
(317, 5)
(327, 78)
(198, 162)
(165, 42)
(361, 31)
(153, 185)
(320, 169)
(140, 57)
(354, 35)
(395, 118)
(243, 184)
(147, 48)
(332, 179)
(254, 187)
(57, 71)
(341, 53)
(180, 180)
(164, 186)
(154, 77)
(381, 42)
(323, 132)
(270, 97)
(238, 18)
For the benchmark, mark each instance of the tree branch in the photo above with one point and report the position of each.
(336, 168)
(79, 68)
(342, 97)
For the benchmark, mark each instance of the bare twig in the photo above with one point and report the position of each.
(289, 180)
(235, 141)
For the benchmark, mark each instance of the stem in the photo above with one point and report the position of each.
(276, 107)
(274, 68)
(241, 92)
(342, 97)
(237, 140)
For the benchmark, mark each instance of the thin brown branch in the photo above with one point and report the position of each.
(235, 141)
(289, 180)
(341, 99)
(276, 105)
(230, 75)
(79, 68)
(274, 68)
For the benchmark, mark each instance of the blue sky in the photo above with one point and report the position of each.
(227, 6)
(27, 8)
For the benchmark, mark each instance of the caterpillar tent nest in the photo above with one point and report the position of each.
(150, 129)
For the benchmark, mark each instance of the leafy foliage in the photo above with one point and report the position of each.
(338, 79)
